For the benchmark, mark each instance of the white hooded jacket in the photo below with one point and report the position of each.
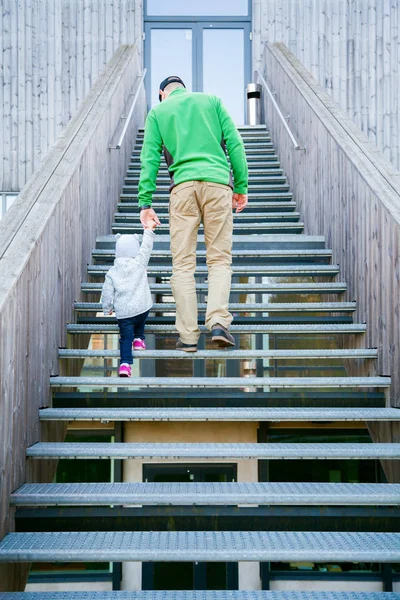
(126, 289)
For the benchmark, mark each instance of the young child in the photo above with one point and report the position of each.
(126, 290)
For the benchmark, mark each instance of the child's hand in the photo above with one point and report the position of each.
(152, 225)
(110, 312)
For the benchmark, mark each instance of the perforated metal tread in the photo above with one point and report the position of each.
(210, 546)
(268, 270)
(222, 382)
(219, 414)
(304, 253)
(289, 329)
(212, 450)
(199, 595)
(363, 494)
(242, 216)
(246, 228)
(249, 288)
(243, 307)
(251, 243)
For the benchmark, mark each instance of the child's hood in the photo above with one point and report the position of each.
(126, 246)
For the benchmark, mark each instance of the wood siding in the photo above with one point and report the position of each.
(52, 53)
(46, 239)
(352, 47)
(347, 191)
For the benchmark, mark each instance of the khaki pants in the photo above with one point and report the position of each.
(191, 203)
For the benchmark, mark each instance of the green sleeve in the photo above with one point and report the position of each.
(235, 147)
(150, 158)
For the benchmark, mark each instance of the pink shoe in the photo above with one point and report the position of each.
(124, 370)
(139, 344)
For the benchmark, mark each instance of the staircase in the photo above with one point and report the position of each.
(300, 380)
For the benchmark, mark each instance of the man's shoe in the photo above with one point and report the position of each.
(186, 347)
(221, 336)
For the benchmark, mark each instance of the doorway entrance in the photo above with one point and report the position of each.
(210, 51)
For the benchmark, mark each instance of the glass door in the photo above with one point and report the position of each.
(208, 44)
(169, 51)
(225, 61)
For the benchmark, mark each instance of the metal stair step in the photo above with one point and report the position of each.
(362, 494)
(245, 288)
(243, 129)
(268, 161)
(251, 209)
(255, 176)
(319, 329)
(281, 307)
(270, 451)
(315, 355)
(222, 382)
(200, 595)
(220, 414)
(254, 197)
(310, 270)
(249, 228)
(253, 167)
(240, 242)
(249, 217)
(250, 151)
(187, 546)
(272, 182)
(262, 256)
(220, 397)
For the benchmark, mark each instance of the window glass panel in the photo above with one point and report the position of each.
(223, 68)
(184, 8)
(171, 54)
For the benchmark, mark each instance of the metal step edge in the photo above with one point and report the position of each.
(249, 288)
(310, 270)
(228, 354)
(275, 415)
(135, 165)
(266, 307)
(249, 329)
(252, 196)
(244, 216)
(284, 238)
(223, 382)
(314, 253)
(251, 227)
(164, 176)
(274, 493)
(271, 451)
(199, 595)
(225, 546)
(133, 206)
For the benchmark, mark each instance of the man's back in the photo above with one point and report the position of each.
(193, 128)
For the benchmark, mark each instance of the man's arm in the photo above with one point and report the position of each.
(235, 147)
(150, 158)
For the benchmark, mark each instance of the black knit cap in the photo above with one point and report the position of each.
(167, 81)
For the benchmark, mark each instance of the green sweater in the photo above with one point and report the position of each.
(193, 128)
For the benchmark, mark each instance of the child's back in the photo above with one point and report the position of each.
(126, 290)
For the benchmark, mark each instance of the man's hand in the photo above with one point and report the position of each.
(149, 219)
(239, 201)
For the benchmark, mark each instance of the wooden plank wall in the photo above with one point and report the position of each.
(46, 239)
(52, 53)
(352, 47)
(346, 190)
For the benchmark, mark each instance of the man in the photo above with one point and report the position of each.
(193, 128)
